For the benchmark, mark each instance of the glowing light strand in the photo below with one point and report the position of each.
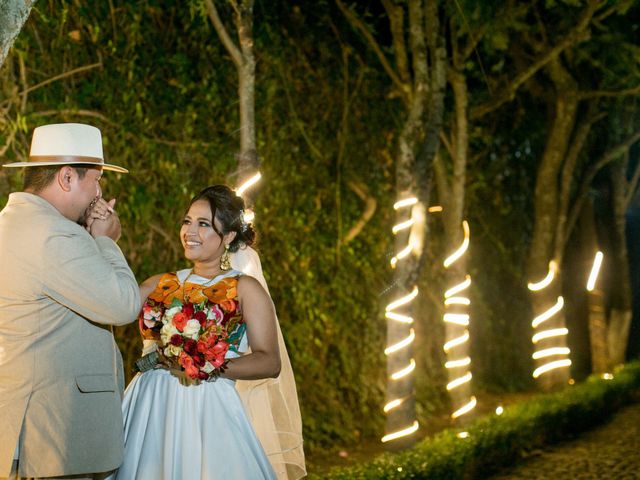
(595, 270)
(393, 315)
(401, 344)
(553, 332)
(249, 216)
(546, 353)
(451, 259)
(248, 184)
(546, 281)
(405, 371)
(453, 297)
(401, 433)
(466, 408)
(549, 352)
(543, 317)
(547, 367)
(463, 362)
(456, 341)
(458, 288)
(459, 381)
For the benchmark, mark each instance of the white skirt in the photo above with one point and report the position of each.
(173, 432)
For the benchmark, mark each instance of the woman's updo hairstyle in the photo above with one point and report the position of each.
(228, 208)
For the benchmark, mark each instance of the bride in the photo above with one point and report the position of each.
(221, 401)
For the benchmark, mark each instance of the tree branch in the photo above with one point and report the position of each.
(605, 159)
(57, 77)
(231, 47)
(609, 93)
(360, 26)
(577, 144)
(575, 35)
(632, 186)
(370, 205)
(396, 19)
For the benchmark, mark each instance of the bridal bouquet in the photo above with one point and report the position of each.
(193, 333)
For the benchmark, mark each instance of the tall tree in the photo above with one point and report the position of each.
(13, 14)
(480, 34)
(574, 108)
(243, 58)
(418, 78)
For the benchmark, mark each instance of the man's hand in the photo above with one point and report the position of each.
(99, 209)
(103, 220)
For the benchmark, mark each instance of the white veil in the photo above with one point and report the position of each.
(272, 403)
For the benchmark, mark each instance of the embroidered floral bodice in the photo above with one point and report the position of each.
(189, 303)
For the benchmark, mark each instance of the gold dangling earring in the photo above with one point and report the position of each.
(225, 261)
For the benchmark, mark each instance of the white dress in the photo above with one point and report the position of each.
(176, 432)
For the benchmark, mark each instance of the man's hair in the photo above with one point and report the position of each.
(37, 178)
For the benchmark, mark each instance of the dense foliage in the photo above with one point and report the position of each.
(162, 89)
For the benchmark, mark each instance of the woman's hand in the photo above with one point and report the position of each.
(183, 378)
(99, 210)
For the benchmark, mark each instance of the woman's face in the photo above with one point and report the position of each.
(200, 241)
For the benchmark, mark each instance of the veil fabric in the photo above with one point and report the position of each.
(272, 403)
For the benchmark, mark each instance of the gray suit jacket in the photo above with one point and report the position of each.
(59, 389)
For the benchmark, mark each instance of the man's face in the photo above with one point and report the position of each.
(86, 191)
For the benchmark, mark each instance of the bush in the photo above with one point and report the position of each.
(494, 442)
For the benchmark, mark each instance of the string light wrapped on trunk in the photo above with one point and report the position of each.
(249, 215)
(548, 355)
(454, 297)
(392, 314)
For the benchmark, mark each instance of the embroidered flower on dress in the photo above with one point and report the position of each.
(194, 326)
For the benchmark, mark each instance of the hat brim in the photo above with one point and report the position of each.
(105, 166)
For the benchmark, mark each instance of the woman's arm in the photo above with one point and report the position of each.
(148, 286)
(260, 318)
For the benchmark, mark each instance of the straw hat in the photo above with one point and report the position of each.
(66, 144)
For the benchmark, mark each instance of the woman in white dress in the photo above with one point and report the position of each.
(211, 326)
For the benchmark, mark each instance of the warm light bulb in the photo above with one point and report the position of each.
(554, 332)
(401, 344)
(407, 202)
(401, 433)
(405, 371)
(451, 259)
(459, 381)
(595, 270)
(549, 313)
(465, 409)
(458, 288)
(546, 281)
(456, 341)
(551, 366)
(248, 184)
(548, 352)
(403, 300)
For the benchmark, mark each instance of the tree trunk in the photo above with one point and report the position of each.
(460, 395)
(543, 247)
(402, 416)
(620, 315)
(13, 14)
(597, 321)
(248, 159)
(244, 60)
(598, 332)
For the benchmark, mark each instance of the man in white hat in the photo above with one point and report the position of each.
(62, 282)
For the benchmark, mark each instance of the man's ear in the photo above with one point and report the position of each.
(65, 178)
